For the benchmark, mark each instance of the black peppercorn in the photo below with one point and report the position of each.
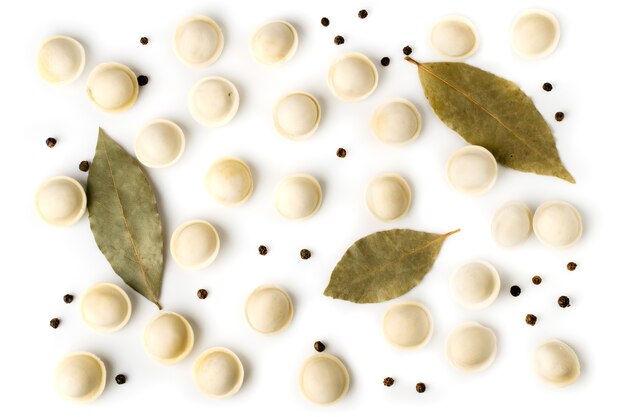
(120, 379)
(51, 142)
(559, 116)
(536, 280)
(407, 50)
(84, 166)
(202, 293)
(143, 40)
(339, 40)
(325, 22)
(54, 323)
(571, 266)
(341, 153)
(319, 346)
(262, 250)
(362, 14)
(547, 86)
(388, 381)
(531, 319)
(305, 254)
(68, 298)
(385, 61)
(563, 301)
(515, 291)
(142, 80)
(420, 387)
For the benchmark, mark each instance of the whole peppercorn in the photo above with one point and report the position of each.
(51, 142)
(142, 80)
(547, 86)
(68, 298)
(84, 166)
(305, 254)
(202, 293)
(420, 387)
(407, 50)
(262, 250)
(325, 22)
(362, 14)
(54, 323)
(319, 346)
(120, 379)
(515, 291)
(388, 381)
(563, 301)
(144, 40)
(559, 116)
(531, 319)
(339, 40)
(385, 61)
(341, 153)
(536, 280)
(571, 266)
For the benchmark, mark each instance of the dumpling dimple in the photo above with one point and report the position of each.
(407, 325)
(229, 181)
(454, 37)
(352, 77)
(218, 373)
(198, 41)
(80, 377)
(556, 363)
(535, 34)
(213, 101)
(511, 224)
(475, 284)
(105, 307)
(388, 197)
(298, 196)
(168, 338)
(60, 59)
(472, 170)
(112, 87)
(557, 224)
(324, 379)
(471, 347)
(274, 43)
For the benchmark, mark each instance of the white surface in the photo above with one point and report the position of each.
(40, 264)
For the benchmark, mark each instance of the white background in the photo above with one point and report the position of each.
(39, 264)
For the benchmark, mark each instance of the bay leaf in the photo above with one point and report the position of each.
(384, 265)
(494, 113)
(124, 218)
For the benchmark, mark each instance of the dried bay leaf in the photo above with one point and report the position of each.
(492, 112)
(384, 265)
(124, 218)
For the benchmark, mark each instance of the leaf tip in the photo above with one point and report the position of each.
(158, 304)
(452, 232)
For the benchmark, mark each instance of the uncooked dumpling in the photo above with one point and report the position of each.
(105, 307)
(472, 170)
(195, 244)
(60, 201)
(475, 284)
(229, 181)
(557, 224)
(454, 37)
(213, 101)
(388, 197)
(324, 379)
(556, 363)
(198, 41)
(80, 377)
(159, 144)
(511, 224)
(396, 122)
(471, 347)
(269, 309)
(407, 325)
(296, 115)
(168, 338)
(60, 59)
(298, 197)
(112, 87)
(535, 34)
(352, 77)
(218, 373)
(274, 43)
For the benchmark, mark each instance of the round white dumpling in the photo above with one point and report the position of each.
(60, 201)
(198, 41)
(159, 144)
(195, 244)
(274, 43)
(535, 34)
(388, 197)
(213, 101)
(475, 285)
(296, 115)
(556, 363)
(408, 325)
(472, 170)
(471, 347)
(298, 196)
(396, 122)
(80, 377)
(218, 373)
(324, 379)
(112, 87)
(269, 309)
(557, 224)
(105, 307)
(352, 77)
(168, 338)
(511, 224)
(60, 59)
(229, 181)
(454, 37)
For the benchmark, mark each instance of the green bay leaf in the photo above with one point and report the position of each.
(384, 265)
(494, 113)
(124, 218)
